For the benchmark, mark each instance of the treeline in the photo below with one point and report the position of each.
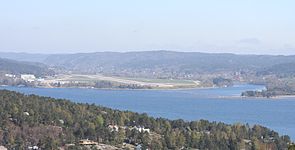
(263, 93)
(52, 123)
(101, 84)
(275, 86)
(222, 82)
(282, 70)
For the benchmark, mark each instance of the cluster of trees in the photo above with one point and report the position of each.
(101, 84)
(282, 70)
(221, 82)
(27, 120)
(282, 86)
(275, 86)
(263, 93)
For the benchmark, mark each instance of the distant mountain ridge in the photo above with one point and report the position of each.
(20, 67)
(163, 62)
(120, 63)
(281, 69)
(29, 57)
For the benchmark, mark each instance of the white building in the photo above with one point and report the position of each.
(141, 129)
(27, 113)
(3, 148)
(28, 77)
(33, 147)
(40, 79)
(113, 128)
(10, 75)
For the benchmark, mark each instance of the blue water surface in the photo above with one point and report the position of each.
(216, 104)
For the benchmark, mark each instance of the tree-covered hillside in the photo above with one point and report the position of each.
(284, 69)
(17, 67)
(51, 123)
(164, 61)
(161, 64)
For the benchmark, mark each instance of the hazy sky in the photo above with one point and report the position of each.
(68, 26)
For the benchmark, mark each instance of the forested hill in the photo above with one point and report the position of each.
(279, 69)
(189, 61)
(17, 67)
(161, 63)
(169, 64)
(50, 123)
(28, 57)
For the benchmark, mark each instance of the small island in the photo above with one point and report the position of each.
(275, 87)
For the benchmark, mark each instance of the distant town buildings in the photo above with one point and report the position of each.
(33, 147)
(10, 75)
(40, 79)
(137, 128)
(141, 129)
(28, 77)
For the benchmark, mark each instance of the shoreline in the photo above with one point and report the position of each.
(176, 88)
(165, 89)
(261, 98)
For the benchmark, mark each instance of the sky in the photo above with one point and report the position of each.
(215, 26)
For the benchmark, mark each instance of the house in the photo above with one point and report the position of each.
(26, 113)
(40, 80)
(207, 132)
(87, 142)
(28, 77)
(3, 148)
(138, 147)
(33, 147)
(113, 128)
(61, 121)
(247, 141)
(10, 75)
(141, 129)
